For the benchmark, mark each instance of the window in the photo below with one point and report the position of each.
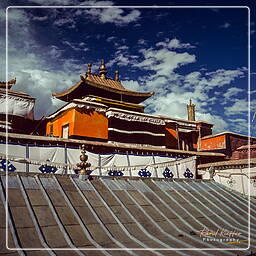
(51, 129)
(65, 130)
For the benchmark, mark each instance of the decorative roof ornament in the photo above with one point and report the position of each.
(83, 165)
(191, 111)
(89, 70)
(117, 75)
(10, 83)
(103, 70)
(82, 77)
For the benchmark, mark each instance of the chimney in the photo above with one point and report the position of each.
(191, 111)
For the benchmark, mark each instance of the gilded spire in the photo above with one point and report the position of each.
(89, 68)
(83, 165)
(191, 111)
(117, 76)
(103, 70)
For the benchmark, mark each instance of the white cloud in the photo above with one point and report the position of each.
(67, 21)
(34, 65)
(105, 13)
(141, 41)
(231, 92)
(120, 59)
(113, 15)
(222, 77)
(225, 25)
(96, 3)
(52, 2)
(76, 46)
(174, 90)
(122, 47)
(132, 85)
(214, 79)
(219, 123)
(240, 107)
(164, 61)
(175, 44)
(40, 18)
(54, 52)
(111, 39)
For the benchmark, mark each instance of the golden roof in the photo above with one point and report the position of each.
(91, 82)
(109, 82)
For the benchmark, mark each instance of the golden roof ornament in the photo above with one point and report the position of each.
(89, 70)
(10, 83)
(83, 165)
(103, 70)
(117, 75)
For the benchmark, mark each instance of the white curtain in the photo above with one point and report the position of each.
(187, 168)
(13, 149)
(45, 154)
(73, 157)
(17, 106)
(105, 164)
(168, 171)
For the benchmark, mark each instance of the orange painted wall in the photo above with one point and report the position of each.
(171, 136)
(64, 118)
(84, 123)
(90, 123)
(218, 142)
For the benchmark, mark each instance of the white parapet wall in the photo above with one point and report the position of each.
(59, 159)
(238, 175)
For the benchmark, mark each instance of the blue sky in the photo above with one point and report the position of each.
(180, 53)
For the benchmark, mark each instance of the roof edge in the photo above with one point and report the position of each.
(97, 85)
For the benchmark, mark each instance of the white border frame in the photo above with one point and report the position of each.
(249, 131)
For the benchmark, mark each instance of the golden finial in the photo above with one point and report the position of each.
(117, 76)
(102, 65)
(89, 69)
(103, 70)
(83, 165)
